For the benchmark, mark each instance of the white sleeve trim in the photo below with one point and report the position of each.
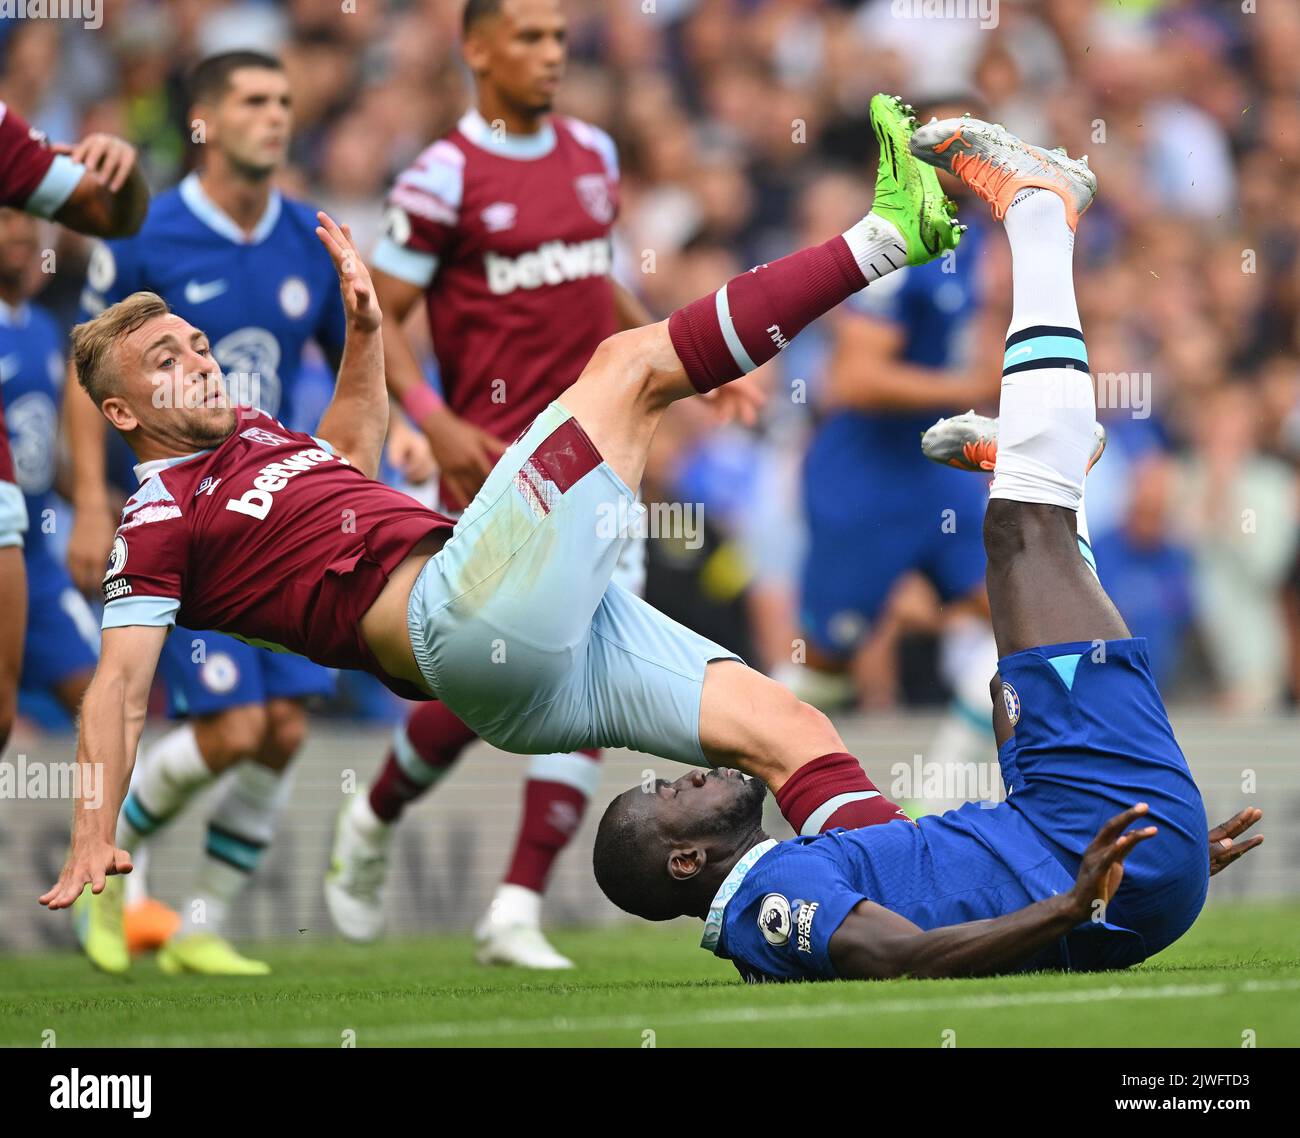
(405, 264)
(154, 612)
(56, 187)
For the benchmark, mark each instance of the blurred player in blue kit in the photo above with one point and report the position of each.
(62, 640)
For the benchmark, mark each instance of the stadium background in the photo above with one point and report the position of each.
(743, 135)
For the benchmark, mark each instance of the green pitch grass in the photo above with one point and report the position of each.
(1237, 971)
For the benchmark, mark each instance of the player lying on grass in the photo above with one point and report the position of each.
(243, 526)
(1053, 877)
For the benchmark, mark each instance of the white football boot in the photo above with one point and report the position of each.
(510, 932)
(358, 870)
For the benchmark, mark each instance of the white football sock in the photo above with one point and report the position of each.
(172, 771)
(877, 246)
(1048, 410)
(239, 832)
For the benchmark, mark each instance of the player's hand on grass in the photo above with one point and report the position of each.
(107, 158)
(1224, 848)
(465, 455)
(354, 278)
(91, 861)
(1102, 867)
(88, 548)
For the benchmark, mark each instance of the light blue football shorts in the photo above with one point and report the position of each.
(517, 627)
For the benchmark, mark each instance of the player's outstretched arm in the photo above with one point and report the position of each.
(356, 421)
(875, 944)
(112, 197)
(112, 718)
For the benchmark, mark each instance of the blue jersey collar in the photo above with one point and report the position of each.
(220, 222)
(713, 922)
(520, 146)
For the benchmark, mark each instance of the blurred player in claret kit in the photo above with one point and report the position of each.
(502, 230)
(1052, 878)
(903, 352)
(228, 251)
(62, 639)
(94, 187)
(236, 527)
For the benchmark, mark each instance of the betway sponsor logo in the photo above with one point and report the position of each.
(554, 263)
(256, 503)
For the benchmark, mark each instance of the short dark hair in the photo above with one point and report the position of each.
(628, 862)
(477, 11)
(210, 78)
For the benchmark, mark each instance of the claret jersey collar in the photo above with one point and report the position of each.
(523, 147)
(144, 470)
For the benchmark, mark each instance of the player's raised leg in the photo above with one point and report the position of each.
(636, 375)
(1084, 731)
(730, 715)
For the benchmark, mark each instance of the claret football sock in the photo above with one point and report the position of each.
(424, 749)
(555, 801)
(753, 316)
(832, 791)
(1047, 417)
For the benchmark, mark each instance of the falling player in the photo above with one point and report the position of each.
(502, 229)
(1053, 877)
(62, 639)
(227, 249)
(510, 617)
(94, 187)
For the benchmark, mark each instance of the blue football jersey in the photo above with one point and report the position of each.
(260, 298)
(776, 912)
(31, 372)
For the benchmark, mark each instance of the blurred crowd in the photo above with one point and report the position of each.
(742, 132)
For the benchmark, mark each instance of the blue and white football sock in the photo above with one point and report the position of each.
(240, 831)
(172, 771)
(1048, 410)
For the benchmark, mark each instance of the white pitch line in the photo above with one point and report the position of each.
(413, 1033)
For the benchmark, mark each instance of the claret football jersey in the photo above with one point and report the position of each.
(271, 537)
(509, 236)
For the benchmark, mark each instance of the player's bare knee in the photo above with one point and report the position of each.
(286, 731)
(1012, 528)
(232, 735)
(637, 363)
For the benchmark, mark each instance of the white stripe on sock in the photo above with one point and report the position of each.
(729, 334)
(576, 770)
(819, 817)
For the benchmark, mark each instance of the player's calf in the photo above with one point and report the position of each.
(753, 724)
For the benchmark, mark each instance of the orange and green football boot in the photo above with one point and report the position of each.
(908, 194)
(996, 165)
